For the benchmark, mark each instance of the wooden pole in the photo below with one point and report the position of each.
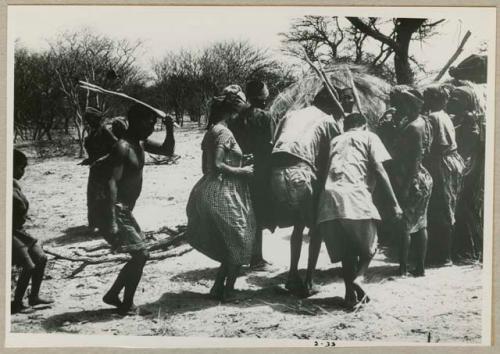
(354, 89)
(453, 57)
(326, 82)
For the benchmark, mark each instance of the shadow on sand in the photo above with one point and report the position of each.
(73, 235)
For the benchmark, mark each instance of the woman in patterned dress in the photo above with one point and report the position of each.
(446, 167)
(221, 221)
(412, 180)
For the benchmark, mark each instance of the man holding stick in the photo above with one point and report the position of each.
(126, 162)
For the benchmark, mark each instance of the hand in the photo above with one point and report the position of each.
(247, 171)
(398, 213)
(113, 228)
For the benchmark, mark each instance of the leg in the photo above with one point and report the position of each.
(258, 262)
(404, 249)
(447, 234)
(421, 245)
(314, 248)
(21, 286)
(217, 291)
(137, 264)
(40, 258)
(294, 282)
(23, 259)
(232, 274)
(349, 274)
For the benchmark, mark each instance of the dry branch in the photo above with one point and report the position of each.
(97, 254)
(326, 82)
(454, 56)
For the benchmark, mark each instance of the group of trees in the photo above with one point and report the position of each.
(369, 41)
(47, 97)
(186, 80)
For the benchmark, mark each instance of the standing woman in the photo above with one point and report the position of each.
(413, 183)
(446, 167)
(221, 221)
(469, 128)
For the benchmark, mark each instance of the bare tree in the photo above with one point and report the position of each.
(92, 57)
(397, 41)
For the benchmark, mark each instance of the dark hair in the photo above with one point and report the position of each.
(255, 88)
(354, 120)
(137, 112)
(20, 159)
(324, 96)
(216, 112)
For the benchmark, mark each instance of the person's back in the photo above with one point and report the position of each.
(303, 134)
(350, 180)
(444, 140)
(346, 214)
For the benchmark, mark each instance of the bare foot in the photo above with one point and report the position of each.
(16, 307)
(33, 301)
(112, 300)
(260, 266)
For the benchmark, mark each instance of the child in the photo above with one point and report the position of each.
(26, 251)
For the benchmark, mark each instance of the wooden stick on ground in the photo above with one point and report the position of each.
(453, 57)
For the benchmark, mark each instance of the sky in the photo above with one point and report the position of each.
(164, 28)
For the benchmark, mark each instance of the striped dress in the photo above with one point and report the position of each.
(221, 220)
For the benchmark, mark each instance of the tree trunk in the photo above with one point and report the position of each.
(404, 31)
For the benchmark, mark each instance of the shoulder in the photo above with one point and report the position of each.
(120, 149)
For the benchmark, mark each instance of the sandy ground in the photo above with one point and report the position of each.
(444, 306)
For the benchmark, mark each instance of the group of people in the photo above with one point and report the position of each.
(316, 168)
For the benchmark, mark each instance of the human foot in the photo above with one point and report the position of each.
(33, 301)
(16, 307)
(260, 265)
(112, 300)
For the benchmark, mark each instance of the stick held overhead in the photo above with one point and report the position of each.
(95, 88)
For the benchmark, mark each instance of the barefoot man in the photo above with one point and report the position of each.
(126, 161)
(347, 216)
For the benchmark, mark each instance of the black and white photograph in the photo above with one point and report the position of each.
(260, 176)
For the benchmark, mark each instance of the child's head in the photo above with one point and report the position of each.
(354, 120)
(20, 162)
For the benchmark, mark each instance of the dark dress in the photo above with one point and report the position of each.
(221, 220)
(253, 133)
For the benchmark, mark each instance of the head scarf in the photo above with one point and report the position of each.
(407, 95)
(467, 96)
(233, 97)
(436, 94)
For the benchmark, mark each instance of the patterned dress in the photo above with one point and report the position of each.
(221, 220)
(419, 194)
(446, 167)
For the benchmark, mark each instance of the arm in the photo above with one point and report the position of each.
(413, 157)
(116, 159)
(168, 145)
(221, 166)
(384, 179)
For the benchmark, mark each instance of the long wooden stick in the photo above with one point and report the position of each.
(95, 88)
(453, 57)
(326, 82)
(354, 89)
